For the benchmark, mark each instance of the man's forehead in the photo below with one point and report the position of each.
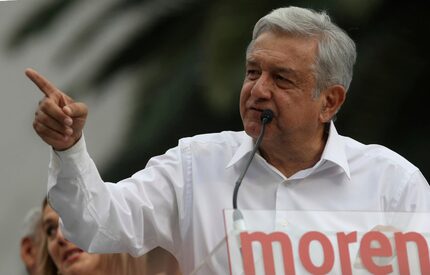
(282, 44)
(289, 58)
(267, 56)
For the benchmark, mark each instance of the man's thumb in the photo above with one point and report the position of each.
(76, 109)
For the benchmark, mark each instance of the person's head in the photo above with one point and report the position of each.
(336, 53)
(299, 64)
(31, 239)
(60, 256)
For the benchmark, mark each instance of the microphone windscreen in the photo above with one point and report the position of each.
(267, 116)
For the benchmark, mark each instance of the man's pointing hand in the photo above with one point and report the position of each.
(58, 120)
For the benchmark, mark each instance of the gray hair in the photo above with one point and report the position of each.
(336, 50)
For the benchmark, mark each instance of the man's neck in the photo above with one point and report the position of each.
(289, 157)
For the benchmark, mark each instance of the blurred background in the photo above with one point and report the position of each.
(154, 71)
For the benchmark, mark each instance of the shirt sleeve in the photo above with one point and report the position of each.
(133, 216)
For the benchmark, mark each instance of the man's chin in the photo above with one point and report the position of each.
(253, 130)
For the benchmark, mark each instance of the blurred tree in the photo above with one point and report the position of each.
(188, 57)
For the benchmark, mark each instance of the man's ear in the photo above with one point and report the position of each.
(332, 99)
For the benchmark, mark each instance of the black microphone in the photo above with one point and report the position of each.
(238, 220)
(266, 117)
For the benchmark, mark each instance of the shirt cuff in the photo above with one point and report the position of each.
(68, 162)
(76, 148)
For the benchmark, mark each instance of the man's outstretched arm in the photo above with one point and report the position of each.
(133, 216)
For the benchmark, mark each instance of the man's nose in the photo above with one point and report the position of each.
(263, 87)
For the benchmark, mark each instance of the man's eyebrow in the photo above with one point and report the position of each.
(251, 62)
(275, 69)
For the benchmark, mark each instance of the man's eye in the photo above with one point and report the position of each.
(281, 78)
(283, 82)
(252, 74)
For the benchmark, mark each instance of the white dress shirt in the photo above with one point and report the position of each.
(177, 201)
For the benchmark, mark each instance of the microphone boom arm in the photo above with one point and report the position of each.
(266, 117)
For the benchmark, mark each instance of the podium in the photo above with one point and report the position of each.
(321, 242)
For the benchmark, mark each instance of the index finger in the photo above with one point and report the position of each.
(41, 82)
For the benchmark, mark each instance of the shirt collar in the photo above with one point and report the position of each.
(245, 147)
(334, 150)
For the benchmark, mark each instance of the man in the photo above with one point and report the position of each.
(299, 65)
(31, 240)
